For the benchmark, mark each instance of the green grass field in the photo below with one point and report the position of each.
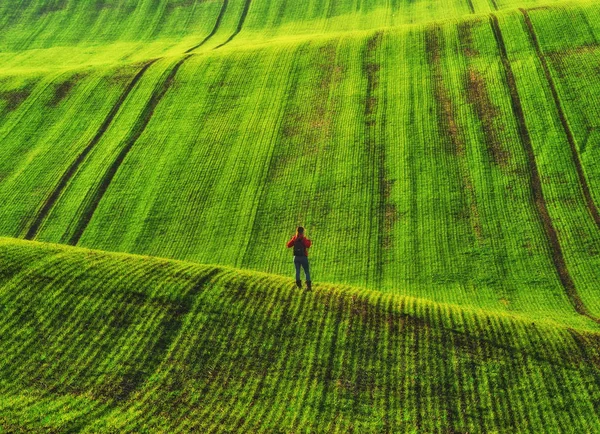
(156, 156)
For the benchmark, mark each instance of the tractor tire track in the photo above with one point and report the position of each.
(70, 172)
(535, 181)
(591, 205)
(471, 7)
(376, 154)
(239, 26)
(136, 132)
(215, 28)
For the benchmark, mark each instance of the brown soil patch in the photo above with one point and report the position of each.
(446, 119)
(465, 36)
(14, 98)
(63, 90)
(487, 112)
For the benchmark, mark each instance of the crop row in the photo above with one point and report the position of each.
(104, 341)
(48, 129)
(69, 35)
(416, 158)
(565, 186)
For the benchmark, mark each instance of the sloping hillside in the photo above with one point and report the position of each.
(443, 156)
(98, 342)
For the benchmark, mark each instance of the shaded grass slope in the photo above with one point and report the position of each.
(104, 342)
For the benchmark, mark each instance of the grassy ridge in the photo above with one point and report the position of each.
(422, 142)
(68, 33)
(100, 341)
(385, 188)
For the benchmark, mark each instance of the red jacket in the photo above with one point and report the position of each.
(307, 243)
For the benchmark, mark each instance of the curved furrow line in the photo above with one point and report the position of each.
(593, 361)
(339, 304)
(219, 371)
(450, 394)
(134, 308)
(550, 381)
(313, 368)
(369, 383)
(392, 329)
(415, 329)
(18, 347)
(187, 347)
(478, 351)
(300, 366)
(135, 133)
(380, 352)
(353, 374)
(239, 26)
(252, 386)
(279, 355)
(404, 361)
(272, 407)
(170, 327)
(509, 411)
(70, 172)
(591, 205)
(458, 390)
(536, 183)
(66, 309)
(83, 351)
(215, 28)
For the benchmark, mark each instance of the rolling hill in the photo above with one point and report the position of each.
(106, 342)
(156, 155)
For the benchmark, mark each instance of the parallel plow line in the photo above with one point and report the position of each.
(249, 387)
(70, 172)
(376, 155)
(272, 162)
(215, 28)
(286, 346)
(134, 135)
(234, 298)
(593, 360)
(170, 327)
(276, 345)
(244, 341)
(591, 205)
(239, 26)
(535, 181)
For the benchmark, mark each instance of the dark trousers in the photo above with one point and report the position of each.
(301, 261)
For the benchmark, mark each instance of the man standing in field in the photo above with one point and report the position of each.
(301, 244)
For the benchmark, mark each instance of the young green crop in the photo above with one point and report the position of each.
(441, 154)
(98, 342)
(399, 149)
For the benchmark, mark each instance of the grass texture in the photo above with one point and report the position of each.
(443, 156)
(105, 342)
